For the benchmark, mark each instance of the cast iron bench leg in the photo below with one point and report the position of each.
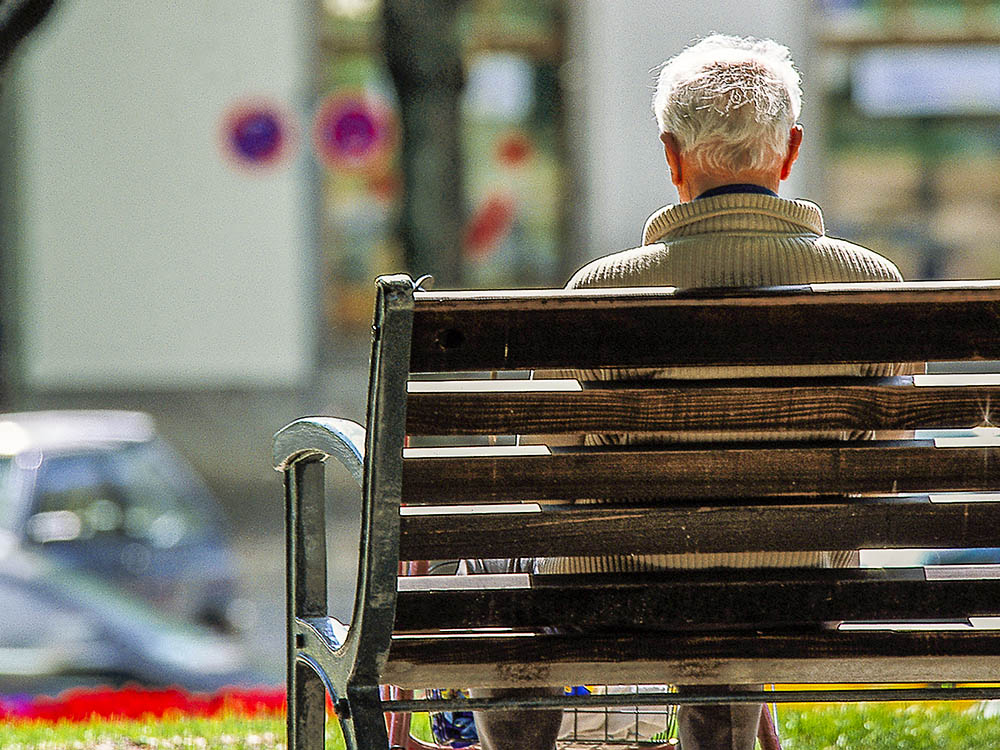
(307, 709)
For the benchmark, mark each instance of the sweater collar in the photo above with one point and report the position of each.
(733, 212)
(741, 187)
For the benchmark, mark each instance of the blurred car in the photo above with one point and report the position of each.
(100, 492)
(61, 627)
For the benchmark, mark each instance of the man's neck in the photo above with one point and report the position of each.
(698, 183)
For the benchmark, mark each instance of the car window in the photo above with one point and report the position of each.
(75, 500)
(167, 504)
(131, 491)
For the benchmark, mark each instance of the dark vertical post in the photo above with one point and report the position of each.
(17, 19)
(424, 57)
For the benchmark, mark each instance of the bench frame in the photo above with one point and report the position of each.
(348, 665)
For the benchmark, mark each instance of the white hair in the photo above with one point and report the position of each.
(730, 102)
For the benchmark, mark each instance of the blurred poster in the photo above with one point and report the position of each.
(511, 140)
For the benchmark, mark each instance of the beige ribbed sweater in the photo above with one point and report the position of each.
(730, 240)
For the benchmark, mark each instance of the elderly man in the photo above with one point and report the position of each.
(727, 109)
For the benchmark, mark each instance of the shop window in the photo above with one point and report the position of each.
(913, 123)
(513, 172)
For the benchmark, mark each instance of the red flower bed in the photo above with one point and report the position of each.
(83, 704)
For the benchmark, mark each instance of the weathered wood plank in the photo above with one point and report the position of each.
(679, 600)
(714, 659)
(702, 472)
(650, 407)
(604, 530)
(911, 324)
(521, 299)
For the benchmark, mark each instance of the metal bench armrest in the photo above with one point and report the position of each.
(322, 437)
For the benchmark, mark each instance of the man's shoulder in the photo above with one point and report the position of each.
(881, 267)
(632, 267)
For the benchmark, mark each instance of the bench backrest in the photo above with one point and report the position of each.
(740, 497)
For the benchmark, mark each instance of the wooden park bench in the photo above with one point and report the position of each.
(715, 627)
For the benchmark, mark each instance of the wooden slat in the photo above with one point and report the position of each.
(674, 600)
(891, 405)
(888, 323)
(604, 530)
(700, 472)
(656, 658)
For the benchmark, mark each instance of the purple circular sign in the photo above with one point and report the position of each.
(256, 134)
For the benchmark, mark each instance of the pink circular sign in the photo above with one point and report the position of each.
(354, 131)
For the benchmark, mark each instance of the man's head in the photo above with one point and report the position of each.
(727, 109)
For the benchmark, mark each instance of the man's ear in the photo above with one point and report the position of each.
(794, 142)
(672, 150)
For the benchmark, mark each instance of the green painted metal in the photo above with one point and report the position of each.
(324, 656)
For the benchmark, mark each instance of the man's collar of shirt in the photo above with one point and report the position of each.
(738, 188)
(733, 212)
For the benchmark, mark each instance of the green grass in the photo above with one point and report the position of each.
(870, 726)
(876, 726)
(235, 733)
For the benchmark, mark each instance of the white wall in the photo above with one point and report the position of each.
(614, 45)
(146, 260)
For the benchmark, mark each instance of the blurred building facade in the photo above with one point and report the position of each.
(144, 251)
(198, 195)
(560, 156)
(912, 97)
